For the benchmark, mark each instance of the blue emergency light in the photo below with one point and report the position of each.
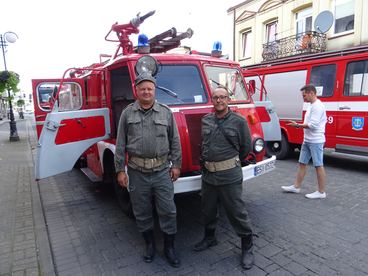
(216, 49)
(142, 40)
(143, 44)
(217, 46)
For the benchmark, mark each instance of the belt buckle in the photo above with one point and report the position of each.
(149, 163)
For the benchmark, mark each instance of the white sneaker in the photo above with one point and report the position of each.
(316, 195)
(290, 189)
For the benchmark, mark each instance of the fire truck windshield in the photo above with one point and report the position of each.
(180, 84)
(230, 78)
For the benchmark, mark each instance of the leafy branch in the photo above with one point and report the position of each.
(9, 82)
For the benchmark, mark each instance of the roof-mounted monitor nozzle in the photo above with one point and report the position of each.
(123, 31)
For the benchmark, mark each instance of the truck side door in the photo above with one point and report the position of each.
(67, 130)
(324, 78)
(352, 119)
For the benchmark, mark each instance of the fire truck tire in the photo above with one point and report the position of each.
(281, 149)
(123, 198)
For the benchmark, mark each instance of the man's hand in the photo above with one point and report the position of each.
(174, 173)
(293, 124)
(122, 179)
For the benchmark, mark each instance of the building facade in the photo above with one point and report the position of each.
(266, 30)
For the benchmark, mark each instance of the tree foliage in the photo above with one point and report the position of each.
(20, 103)
(9, 81)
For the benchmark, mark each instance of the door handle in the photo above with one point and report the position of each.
(53, 125)
(81, 123)
(344, 107)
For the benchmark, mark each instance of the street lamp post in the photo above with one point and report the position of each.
(11, 38)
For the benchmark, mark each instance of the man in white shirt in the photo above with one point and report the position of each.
(312, 148)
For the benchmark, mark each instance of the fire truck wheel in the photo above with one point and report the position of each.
(123, 198)
(281, 149)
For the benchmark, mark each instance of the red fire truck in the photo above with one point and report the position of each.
(341, 79)
(77, 116)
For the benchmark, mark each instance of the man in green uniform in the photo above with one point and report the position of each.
(225, 141)
(147, 132)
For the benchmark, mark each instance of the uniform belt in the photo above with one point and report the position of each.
(222, 165)
(148, 163)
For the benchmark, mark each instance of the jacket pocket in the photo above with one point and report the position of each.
(134, 128)
(161, 134)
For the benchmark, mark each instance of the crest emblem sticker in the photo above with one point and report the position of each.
(357, 123)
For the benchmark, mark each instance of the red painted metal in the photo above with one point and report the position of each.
(78, 129)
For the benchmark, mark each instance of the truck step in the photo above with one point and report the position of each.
(91, 175)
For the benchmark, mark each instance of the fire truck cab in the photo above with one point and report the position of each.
(77, 116)
(341, 79)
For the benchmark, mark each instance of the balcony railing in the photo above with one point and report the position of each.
(302, 43)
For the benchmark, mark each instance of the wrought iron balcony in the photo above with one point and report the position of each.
(302, 43)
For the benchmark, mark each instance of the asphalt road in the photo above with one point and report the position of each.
(89, 235)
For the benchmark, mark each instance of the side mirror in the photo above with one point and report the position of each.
(252, 87)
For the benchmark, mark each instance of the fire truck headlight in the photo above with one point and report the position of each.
(258, 145)
(146, 64)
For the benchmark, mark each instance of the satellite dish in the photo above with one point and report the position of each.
(323, 21)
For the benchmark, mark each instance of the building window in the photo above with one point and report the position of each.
(271, 32)
(344, 15)
(246, 44)
(304, 21)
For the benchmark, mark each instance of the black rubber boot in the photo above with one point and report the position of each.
(247, 258)
(208, 240)
(150, 246)
(169, 250)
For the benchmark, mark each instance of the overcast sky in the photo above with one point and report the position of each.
(58, 34)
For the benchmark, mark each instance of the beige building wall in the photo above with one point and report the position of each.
(253, 15)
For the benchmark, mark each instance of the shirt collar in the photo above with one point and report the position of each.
(137, 107)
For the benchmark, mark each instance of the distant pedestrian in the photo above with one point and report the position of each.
(225, 141)
(147, 133)
(21, 114)
(312, 148)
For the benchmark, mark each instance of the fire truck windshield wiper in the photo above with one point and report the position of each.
(168, 91)
(231, 93)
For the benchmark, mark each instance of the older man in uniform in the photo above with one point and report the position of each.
(225, 141)
(148, 134)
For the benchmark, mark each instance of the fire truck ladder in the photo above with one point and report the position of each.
(168, 40)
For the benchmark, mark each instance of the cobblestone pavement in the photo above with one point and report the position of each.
(24, 248)
(296, 236)
(71, 226)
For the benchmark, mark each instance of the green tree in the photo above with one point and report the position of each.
(20, 103)
(9, 82)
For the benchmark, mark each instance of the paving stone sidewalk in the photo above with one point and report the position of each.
(24, 245)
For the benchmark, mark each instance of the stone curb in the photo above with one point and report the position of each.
(42, 239)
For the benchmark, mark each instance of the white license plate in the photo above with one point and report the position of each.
(262, 169)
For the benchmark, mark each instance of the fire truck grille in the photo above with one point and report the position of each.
(194, 129)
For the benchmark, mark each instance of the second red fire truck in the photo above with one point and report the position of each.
(77, 116)
(341, 79)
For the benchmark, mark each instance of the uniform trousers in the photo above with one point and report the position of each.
(143, 186)
(230, 196)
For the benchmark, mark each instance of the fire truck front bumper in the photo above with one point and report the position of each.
(193, 183)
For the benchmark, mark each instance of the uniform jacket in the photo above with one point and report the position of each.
(147, 134)
(215, 147)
